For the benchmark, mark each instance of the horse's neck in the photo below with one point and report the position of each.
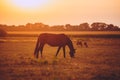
(70, 45)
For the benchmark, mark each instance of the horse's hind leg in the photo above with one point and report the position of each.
(64, 51)
(36, 53)
(58, 50)
(41, 49)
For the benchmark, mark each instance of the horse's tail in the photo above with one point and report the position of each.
(37, 47)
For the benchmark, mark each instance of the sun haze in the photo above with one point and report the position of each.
(59, 11)
(29, 4)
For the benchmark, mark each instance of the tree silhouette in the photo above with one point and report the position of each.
(84, 26)
(68, 27)
(98, 26)
(111, 27)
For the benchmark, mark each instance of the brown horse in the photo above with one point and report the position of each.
(80, 43)
(60, 40)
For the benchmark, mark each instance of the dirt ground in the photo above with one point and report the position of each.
(100, 61)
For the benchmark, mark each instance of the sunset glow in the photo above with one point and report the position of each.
(59, 11)
(29, 4)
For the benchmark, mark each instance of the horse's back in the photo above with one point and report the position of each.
(49, 35)
(53, 39)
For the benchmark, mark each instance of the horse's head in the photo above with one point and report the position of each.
(72, 53)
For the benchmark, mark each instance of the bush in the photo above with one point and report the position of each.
(3, 33)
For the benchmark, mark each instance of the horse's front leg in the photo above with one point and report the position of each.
(58, 50)
(64, 51)
(40, 49)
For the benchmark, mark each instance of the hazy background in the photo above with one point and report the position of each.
(54, 12)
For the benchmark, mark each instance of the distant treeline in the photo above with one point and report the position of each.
(96, 26)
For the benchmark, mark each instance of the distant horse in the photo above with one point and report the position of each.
(60, 40)
(80, 43)
(86, 45)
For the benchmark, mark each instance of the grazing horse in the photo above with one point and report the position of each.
(55, 40)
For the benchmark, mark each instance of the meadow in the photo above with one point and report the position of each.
(100, 61)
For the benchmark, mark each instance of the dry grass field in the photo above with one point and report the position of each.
(100, 61)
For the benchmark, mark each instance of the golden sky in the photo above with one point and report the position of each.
(54, 12)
